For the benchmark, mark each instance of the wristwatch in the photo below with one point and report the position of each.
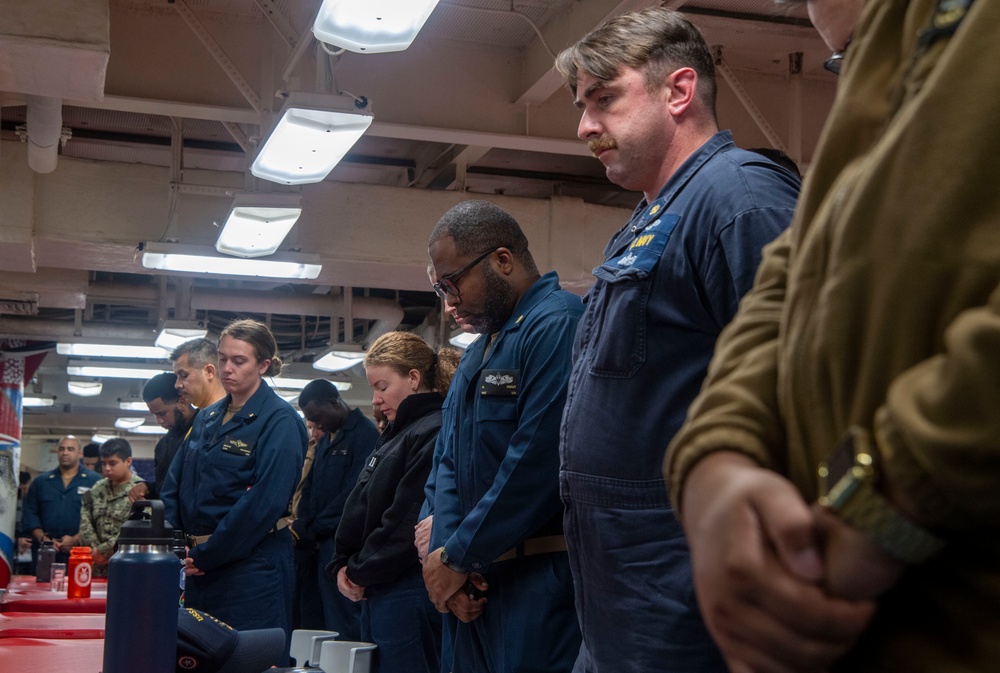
(451, 565)
(848, 482)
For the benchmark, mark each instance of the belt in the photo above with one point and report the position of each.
(546, 544)
(195, 540)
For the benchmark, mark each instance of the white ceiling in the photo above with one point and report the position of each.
(158, 144)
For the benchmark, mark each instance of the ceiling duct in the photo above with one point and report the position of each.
(50, 51)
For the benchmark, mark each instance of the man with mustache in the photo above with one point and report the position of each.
(671, 280)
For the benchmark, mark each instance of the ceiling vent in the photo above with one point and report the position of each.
(22, 303)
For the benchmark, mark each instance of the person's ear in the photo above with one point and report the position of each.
(505, 261)
(682, 87)
(415, 378)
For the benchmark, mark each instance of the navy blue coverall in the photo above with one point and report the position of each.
(234, 481)
(55, 508)
(497, 486)
(338, 462)
(671, 280)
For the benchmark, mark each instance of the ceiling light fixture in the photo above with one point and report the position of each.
(112, 351)
(175, 332)
(258, 223)
(132, 405)
(462, 339)
(112, 370)
(371, 26)
(129, 423)
(339, 357)
(279, 382)
(314, 133)
(85, 388)
(38, 401)
(100, 439)
(198, 259)
(148, 430)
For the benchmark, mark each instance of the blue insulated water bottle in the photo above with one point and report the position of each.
(140, 632)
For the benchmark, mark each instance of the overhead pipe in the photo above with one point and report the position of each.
(384, 311)
(47, 328)
(44, 127)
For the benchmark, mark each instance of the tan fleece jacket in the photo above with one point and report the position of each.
(880, 307)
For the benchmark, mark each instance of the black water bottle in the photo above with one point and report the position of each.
(43, 568)
(140, 630)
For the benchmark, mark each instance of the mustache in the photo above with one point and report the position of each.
(598, 145)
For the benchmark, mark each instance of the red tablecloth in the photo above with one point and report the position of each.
(31, 655)
(22, 585)
(51, 602)
(52, 625)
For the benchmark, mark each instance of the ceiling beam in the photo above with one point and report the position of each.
(540, 79)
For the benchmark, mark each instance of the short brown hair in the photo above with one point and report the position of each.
(657, 41)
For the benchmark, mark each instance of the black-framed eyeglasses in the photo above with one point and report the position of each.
(836, 61)
(448, 285)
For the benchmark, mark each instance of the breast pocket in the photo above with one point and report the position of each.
(230, 474)
(618, 309)
(618, 303)
(497, 422)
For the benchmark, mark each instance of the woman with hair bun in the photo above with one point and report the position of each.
(376, 560)
(229, 487)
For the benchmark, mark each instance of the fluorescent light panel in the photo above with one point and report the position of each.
(129, 423)
(258, 223)
(85, 388)
(371, 26)
(148, 430)
(115, 371)
(299, 384)
(100, 439)
(462, 339)
(314, 133)
(176, 332)
(111, 351)
(132, 405)
(338, 360)
(38, 401)
(198, 259)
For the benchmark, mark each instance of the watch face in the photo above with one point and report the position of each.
(841, 460)
(849, 466)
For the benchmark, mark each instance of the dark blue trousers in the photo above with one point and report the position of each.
(400, 618)
(529, 623)
(255, 593)
(634, 588)
(340, 614)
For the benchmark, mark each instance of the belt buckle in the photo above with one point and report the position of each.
(189, 539)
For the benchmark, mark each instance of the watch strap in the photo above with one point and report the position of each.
(451, 565)
(899, 537)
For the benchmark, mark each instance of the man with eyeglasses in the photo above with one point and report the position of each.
(839, 474)
(497, 527)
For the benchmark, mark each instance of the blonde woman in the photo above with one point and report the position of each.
(375, 559)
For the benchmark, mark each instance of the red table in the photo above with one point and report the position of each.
(55, 626)
(30, 655)
(51, 602)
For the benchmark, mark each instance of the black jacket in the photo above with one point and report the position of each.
(375, 537)
(334, 472)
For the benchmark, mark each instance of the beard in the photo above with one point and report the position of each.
(498, 305)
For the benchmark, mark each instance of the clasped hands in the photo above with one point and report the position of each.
(447, 591)
(782, 585)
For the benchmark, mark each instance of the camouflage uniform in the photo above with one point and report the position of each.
(103, 510)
